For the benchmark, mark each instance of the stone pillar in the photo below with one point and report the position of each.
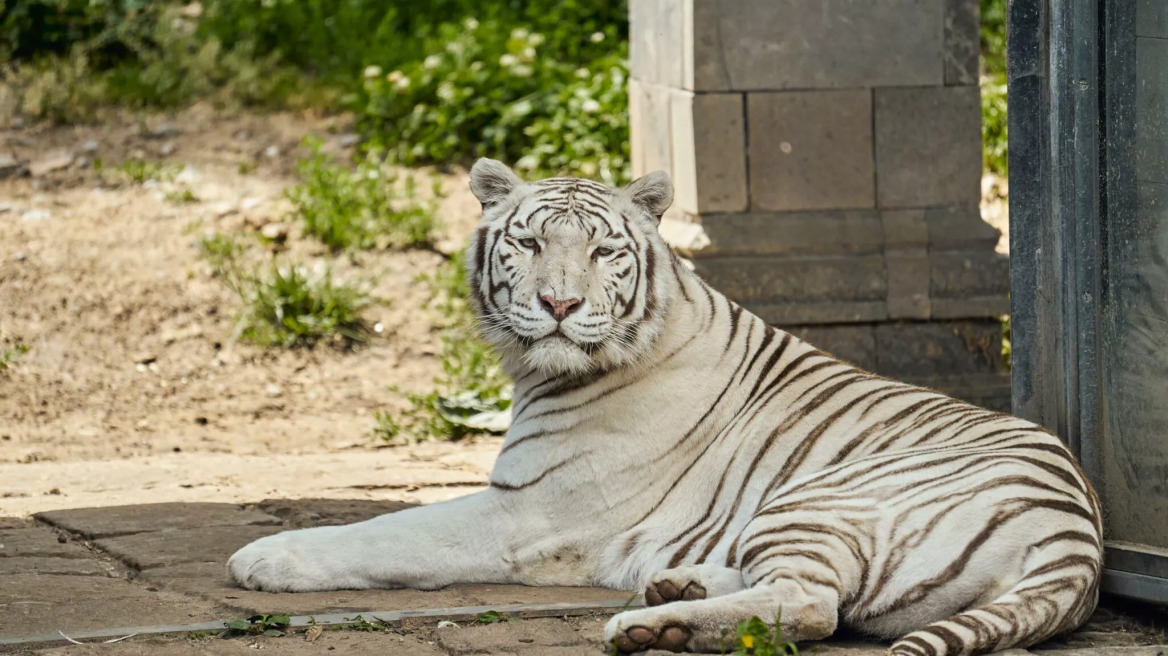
(827, 161)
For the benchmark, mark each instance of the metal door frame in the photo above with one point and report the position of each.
(1064, 65)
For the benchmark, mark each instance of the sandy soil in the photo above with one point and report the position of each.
(131, 352)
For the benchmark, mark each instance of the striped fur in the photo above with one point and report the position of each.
(665, 439)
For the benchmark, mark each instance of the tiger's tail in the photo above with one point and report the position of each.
(1058, 593)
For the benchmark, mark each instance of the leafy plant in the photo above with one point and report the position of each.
(181, 196)
(268, 625)
(995, 136)
(363, 207)
(755, 637)
(492, 617)
(288, 306)
(10, 355)
(486, 90)
(473, 394)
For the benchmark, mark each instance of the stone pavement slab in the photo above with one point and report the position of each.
(163, 564)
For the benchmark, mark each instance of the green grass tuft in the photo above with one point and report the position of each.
(364, 207)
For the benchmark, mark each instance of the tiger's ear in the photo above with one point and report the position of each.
(653, 191)
(491, 181)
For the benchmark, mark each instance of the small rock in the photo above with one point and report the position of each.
(36, 215)
(164, 131)
(90, 146)
(17, 123)
(274, 390)
(350, 139)
(10, 166)
(242, 134)
(144, 357)
(81, 163)
(20, 256)
(52, 162)
(167, 149)
(277, 232)
(272, 152)
(249, 203)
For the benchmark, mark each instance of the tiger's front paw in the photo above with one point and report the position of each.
(690, 582)
(293, 561)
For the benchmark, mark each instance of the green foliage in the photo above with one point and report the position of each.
(10, 355)
(993, 36)
(139, 171)
(181, 196)
(492, 617)
(755, 637)
(995, 136)
(363, 207)
(268, 625)
(473, 390)
(485, 90)
(287, 305)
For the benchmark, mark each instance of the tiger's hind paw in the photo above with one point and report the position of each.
(639, 638)
(690, 582)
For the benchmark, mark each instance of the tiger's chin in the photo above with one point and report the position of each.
(557, 355)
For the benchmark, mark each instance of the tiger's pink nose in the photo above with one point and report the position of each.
(557, 308)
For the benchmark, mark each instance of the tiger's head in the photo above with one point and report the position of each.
(564, 272)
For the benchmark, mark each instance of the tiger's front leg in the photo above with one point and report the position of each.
(472, 539)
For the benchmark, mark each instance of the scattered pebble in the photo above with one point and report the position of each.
(272, 152)
(277, 232)
(10, 166)
(90, 146)
(54, 161)
(350, 139)
(17, 123)
(36, 215)
(81, 163)
(274, 390)
(164, 131)
(167, 149)
(144, 357)
(250, 202)
(20, 256)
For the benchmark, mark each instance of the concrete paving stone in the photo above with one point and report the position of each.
(333, 643)
(33, 604)
(123, 520)
(962, 44)
(905, 229)
(908, 285)
(709, 152)
(928, 147)
(851, 343)
(40, 541)
(41, 565)
(959, 228)
(958, 275)
(825, 232)
(305, 513)
(797, 279)
(1147, 650)
(811, 150)
(938, 348)
(778, 44)
(175, 546)
(508, 636)
(649, 127)
(655, 41)
(787, 313)
(13, 522)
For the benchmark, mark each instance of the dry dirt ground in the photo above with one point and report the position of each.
(133, 389)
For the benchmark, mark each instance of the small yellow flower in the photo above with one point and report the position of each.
(748, 641)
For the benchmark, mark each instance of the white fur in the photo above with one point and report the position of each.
(658, 448)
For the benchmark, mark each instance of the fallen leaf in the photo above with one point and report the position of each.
(313, 632)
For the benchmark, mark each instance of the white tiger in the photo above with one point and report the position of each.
(664, 439)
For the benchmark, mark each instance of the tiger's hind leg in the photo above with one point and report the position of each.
(692, 582)
(701, 625)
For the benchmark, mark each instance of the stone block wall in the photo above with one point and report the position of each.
(827, 161)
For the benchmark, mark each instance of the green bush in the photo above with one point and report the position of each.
(363, 207)
(487, 91)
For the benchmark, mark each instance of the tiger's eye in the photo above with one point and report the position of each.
(529, 243)
(604, 251)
